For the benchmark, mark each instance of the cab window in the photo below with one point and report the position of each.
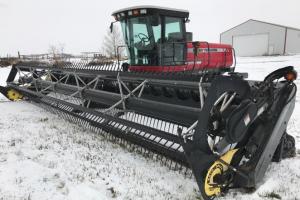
(173, 29)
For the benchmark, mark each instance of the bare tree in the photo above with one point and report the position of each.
(57, 52)
(112, 41)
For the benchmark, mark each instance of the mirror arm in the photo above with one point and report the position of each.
(111, 27)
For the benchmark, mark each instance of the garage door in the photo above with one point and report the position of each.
(251, 45)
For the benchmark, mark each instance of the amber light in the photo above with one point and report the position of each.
(291, 76)
(136, 12)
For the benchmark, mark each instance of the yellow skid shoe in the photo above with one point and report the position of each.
(210, 188)
(14, 95)
(11, 94)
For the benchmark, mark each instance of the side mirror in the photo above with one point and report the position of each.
(111, 27)
(155, 20)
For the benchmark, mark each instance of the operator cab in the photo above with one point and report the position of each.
(154, 36)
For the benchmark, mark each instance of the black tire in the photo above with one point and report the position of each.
(289, 147)
(285, 149)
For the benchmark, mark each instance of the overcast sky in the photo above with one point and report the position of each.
(31, 26)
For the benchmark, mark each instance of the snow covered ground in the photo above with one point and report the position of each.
(45, 157)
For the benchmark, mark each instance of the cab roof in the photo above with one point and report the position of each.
(153, 10)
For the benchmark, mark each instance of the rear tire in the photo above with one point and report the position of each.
(289, 147)
(286, 148)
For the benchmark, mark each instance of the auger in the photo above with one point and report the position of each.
(177, 98)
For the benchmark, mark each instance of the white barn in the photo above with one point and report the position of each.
(258, 38)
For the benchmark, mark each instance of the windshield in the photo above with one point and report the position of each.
(145, 45)
(142, 35)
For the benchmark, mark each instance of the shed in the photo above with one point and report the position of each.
(258, 38)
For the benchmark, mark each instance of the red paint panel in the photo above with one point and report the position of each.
(209, 56)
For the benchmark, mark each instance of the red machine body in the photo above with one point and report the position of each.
(203, 56)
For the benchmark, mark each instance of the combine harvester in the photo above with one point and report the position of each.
(176, 98)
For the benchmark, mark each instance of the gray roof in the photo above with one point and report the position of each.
(263, 23)
(149, 6)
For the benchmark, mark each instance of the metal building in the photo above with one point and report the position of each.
(258, 38)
